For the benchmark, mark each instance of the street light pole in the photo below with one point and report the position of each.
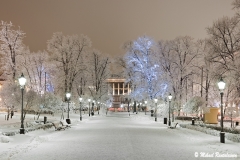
(128, 107)
(98, 107)
(80, 99)
(140, 106)
(22, 81)
(93, 103)
(156, 108)
(221, 86)
(137, 105)
(68, 95)
(145, 107)
(89, 100)
(170, 98)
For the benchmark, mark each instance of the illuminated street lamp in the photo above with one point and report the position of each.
(169, 98)
(145, 107)
(80, 100)
(22, 81)
(89, 100)
(221, 86)
(155, 100)
(68, 95)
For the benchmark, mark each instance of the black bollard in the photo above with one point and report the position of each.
(192, 121)
(222, 137)
(45, 120)
(165, 120)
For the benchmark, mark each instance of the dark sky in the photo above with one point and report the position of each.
(110, 23)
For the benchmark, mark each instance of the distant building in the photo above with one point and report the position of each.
(118, 89)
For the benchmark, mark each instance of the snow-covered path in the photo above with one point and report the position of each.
(117, 137)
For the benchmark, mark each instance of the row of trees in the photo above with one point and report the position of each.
(183, 66)
(68, 65)
(187, 68)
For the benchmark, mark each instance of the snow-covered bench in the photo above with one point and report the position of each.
(173, 127)
(60, 126)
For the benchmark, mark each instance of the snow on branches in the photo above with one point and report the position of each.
(11, 46)
(67, 53)
(146, 74)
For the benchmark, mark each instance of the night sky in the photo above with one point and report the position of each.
(110, 23)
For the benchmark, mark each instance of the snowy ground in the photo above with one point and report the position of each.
(115, 136)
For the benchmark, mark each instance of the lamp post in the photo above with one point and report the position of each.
(93, 108)
(80, 100)
(169, 98)
(98, 107)
(145, 107)
(140, 106)
(89, 100)
(221, 86)
(133, 107)
(128, 101)
(22, 81)
(68, 95)
(155, 100)
(137, 106)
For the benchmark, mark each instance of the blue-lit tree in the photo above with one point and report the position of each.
(146, 76)
(38, 70)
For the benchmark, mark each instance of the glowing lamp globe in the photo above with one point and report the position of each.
(68, 95)
(80, 99)
(170, 97)
(22, 80)
(221, 84)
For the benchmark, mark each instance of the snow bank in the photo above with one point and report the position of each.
(229, 136)
(31, 126)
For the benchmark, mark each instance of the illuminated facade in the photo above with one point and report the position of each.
(118, 89)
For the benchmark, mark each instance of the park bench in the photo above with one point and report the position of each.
(173, 127)
(60, 126)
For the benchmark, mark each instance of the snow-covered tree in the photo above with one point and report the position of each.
(11, 96)
(66, 53)
(205, 73)
(177, 58)
(11, 47)
(194, 105)
(97, 73)
(49, 102)
(231, 111)
(224, 39)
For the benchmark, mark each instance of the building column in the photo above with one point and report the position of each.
(118, 88)
(113, 88)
